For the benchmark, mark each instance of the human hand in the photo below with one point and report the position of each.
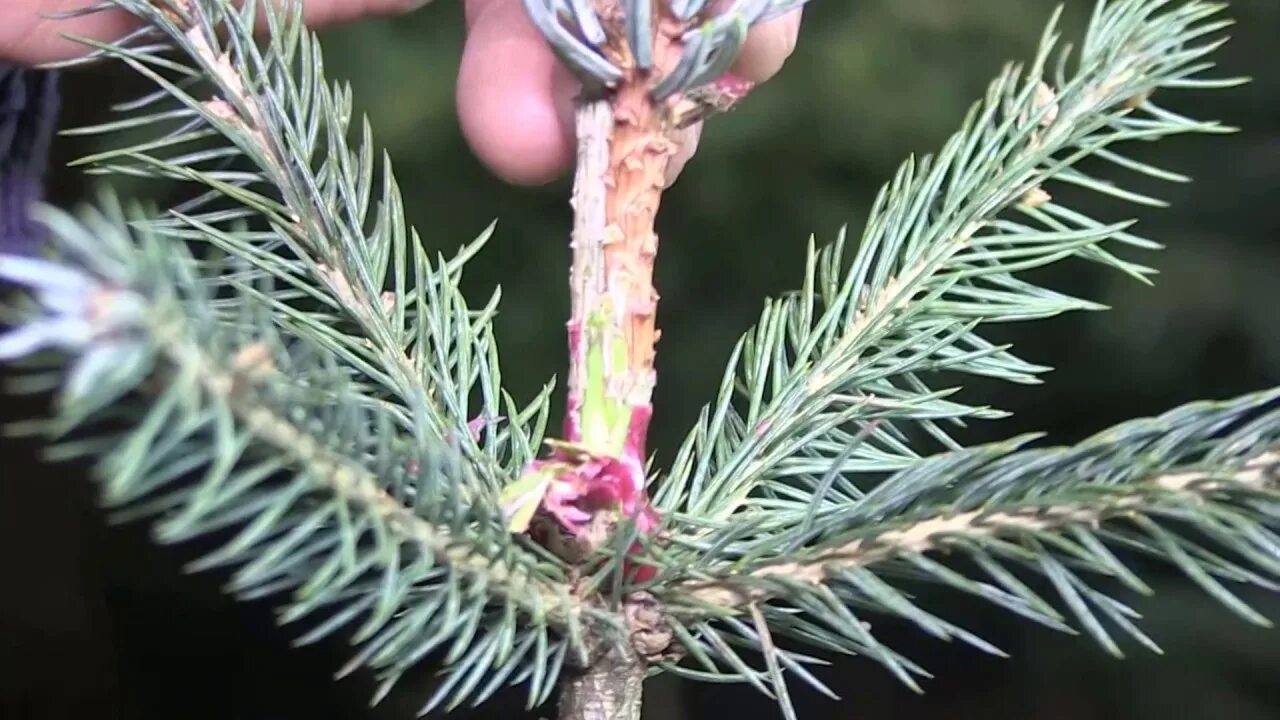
(515, 100)
(31, 33)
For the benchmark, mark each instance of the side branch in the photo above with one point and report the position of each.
(359, 487)
(333, 246)
(943, 255)
(1260, 473)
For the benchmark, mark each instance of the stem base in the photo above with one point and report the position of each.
(611, 688)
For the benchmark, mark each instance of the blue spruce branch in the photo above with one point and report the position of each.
(279, 358)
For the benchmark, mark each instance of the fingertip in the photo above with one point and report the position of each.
(768, 46)
(514, 100)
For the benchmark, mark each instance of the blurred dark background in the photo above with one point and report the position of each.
(96, 621)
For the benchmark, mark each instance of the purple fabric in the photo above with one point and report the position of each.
(28, 118)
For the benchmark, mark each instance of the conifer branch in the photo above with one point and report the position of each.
(311, 380)
(223, 102)
(939, 258)
(1198, 488)
(288, 210)
(778, 498)
(1191, 488)
(360, 523)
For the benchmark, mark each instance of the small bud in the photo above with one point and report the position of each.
(1045, 98)
(1035, 197)
(1138, 100)
(253, 360)
(221, 109)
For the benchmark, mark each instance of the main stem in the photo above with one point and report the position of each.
(624, 148)
(623, 153)
(611, 688)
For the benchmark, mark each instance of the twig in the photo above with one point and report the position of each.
(1262, 472)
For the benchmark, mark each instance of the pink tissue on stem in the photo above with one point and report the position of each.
(587, 485)
(572, 429)
(733, 86)
(477, 425)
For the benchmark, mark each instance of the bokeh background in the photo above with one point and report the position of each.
(95, 621)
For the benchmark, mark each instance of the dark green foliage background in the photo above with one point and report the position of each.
(97, 622)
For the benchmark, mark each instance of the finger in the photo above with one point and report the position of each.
(319, 13)
(768, 46)
(34, 31)
(515, 101)
(29, 36)
(766, 49)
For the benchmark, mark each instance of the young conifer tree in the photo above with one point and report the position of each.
(278, 361)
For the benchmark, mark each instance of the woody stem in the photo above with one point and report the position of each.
(611, 338)
(612, 688)
(624, 148)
